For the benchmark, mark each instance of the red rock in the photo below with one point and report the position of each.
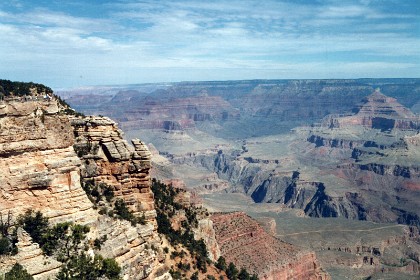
(245, 243)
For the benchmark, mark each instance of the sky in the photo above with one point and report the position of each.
(74, 43)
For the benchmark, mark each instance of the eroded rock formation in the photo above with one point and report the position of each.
(40, 170)
(107, 158)
(244, 242)
(378, 112)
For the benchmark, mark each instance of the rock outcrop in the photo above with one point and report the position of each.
(46, 154)
(40, 169)
(109, 159)
(32, 258)
(378, 112)
(244, 242)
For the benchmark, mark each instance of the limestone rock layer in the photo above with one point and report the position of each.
(107, 158)
(45, 155)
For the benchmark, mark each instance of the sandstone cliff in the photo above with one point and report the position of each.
(244, 242)
(107, 158)
(42, 171)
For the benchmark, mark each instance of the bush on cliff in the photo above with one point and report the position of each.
(18, 273)
(221, 263)
(96, 193)
(62, 239)
(8, 235)
(166, 207)
(35, 224)
(67, 242)
(8, 87)
(82, 266)
(232, 272)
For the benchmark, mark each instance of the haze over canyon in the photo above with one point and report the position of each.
(347, 149)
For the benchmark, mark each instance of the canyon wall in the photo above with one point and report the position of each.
(108, 158)
(244, 242)
(227, 109)
(39, 167)
(41, 171)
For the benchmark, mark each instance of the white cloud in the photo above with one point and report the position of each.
(269, 37)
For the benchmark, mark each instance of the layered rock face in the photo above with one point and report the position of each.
(107, 158)
(378, 111)
(39, 167)
(229, 109)
(32, 258)
(244, 242)
(42, 171)
(170, 113)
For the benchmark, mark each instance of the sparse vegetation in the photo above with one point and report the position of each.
(122, 212)
(8, 236)
(62, 240)
(82, 266)
(232, 272)
(35, 224)
(8, 88)
(67, 243)
(18, 273)
(97, 192)
(166, 208)
(221, 263)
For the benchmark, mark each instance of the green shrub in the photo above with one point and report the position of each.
(232, 272)
(107, 191)
(5, 246)
(221, 263)
(63, 239)
(243, 275)
(84, 267)
(8, 235)
(18, 273)
(35, 224)
(22, 88)
(123, 212)
(194, 276)
(66, 242)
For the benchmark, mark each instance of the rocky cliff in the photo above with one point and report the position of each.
(109, 159)
(45, 155)
(243, 241)
(40, 169)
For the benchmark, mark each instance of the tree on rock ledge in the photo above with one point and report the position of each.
(18, 273)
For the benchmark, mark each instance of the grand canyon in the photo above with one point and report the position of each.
(209, 140)
(284, 179)
(332, 164)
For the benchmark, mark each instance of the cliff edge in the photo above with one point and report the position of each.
(46, 157)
